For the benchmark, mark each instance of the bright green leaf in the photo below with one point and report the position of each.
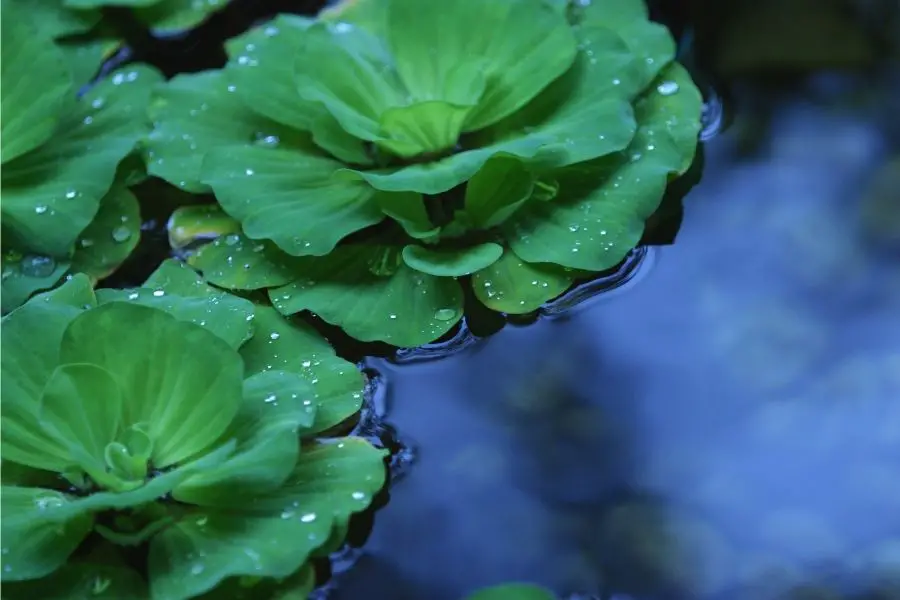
(81, 408)
(77, 291)
(112, 235)
(409, 210)
(599, 214)
(291, 198)
(276, 405)
(369, 292)
(194, 113)
(238, 263)
(458, 53)
(31, 106)
(451, 262)
(176, 277)
(165, 17)
(279, 343)
(180, 380)
(56, 21)
(349, 72)
(24, 275)
(423, 128)
(51, 194)
(225, 315)
(30, 350)
(516, 287)
(84, 578)
(497, 190)
(34, 547)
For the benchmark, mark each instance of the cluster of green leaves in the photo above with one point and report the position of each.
(381, 157)
(67, 17)
(172, 441)
(66, 206)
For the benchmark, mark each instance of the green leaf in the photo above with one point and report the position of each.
(512, 591)
(463, 53)
(408, 209)
(34, 547)
(515, 287)
(349, 72)
(584, 114)
(265, 81)
(84, 578)
(276, 405)
(180, 380)
(31, 106)
(85, 56)
(279, 343)
(332, 479)
(51, 194)
(203, 549)
(194, 113)
(224, 315)
(190, 224)
(30, 353)
(57, 21)
(289, 197)
(77, 291)
(423, 128)
(112, 235)
(599, 214)
(176, 277)
(152, 490)
(24, 275)
(497, 190)
(298, 586)
(369, 292)
(81, 408)
(236, 262)
(451, 262)
(278, 532)
(165, 17)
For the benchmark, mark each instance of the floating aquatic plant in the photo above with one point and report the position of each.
(66, 206)
(384, 155)
(178, 429)
(512, 591)
(67, 17)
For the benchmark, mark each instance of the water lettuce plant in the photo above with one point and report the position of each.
(384, 155)
(172, 441)
(161, 16)
(66, 205)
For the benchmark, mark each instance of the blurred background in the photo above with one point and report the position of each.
(727, 424)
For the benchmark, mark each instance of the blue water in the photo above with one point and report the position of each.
(726, 425)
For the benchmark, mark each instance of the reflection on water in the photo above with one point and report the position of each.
(728, 427)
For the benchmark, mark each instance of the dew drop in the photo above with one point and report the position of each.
(667, 88)
(358, 495)
(444, 314)
(274, 335)
(233, 239)
(197, 569)
(37, 266)
(308, 517)
(121, 234)
(71, 194)
(40, 209)
(159, 293)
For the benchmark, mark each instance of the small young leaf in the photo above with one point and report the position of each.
(451, 262)
(178, 379)
(497, 190)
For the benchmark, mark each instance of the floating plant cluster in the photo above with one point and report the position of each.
(388, 169)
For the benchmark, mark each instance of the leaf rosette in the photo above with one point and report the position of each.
(178, 424)
(65, 203)
(385, 154)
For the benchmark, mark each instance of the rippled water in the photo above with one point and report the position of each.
(725, 425)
